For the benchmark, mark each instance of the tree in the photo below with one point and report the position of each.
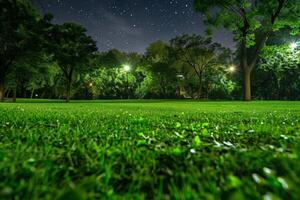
(42, 78)
(281, 64)
(277, 75)
(160, 60)
(251, 22)
(113, 58)
(110, 82)
(108, 79)
(71, 48)
(33, 71)
(20, 33)
(199, 57)
(144, 77)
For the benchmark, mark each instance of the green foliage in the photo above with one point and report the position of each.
(158, 52)
(107, 78)
(32, 73)
(70, 45)
(252, 23)
(256, 16)
(144, 85)
(188, 66)
(201, 62)
(111, 82)
(278, 73)
(21, 33)
(149, 150)
(18, 23)
(161, 61)
(280, 58)
(71, 49)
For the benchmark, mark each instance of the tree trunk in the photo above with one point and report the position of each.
(86, 92)
(278, 88)
(8, 93)
(24, 93)
(32, 93)
(43, 95)
(68, 92)
(163, 88)
(69, 75)
(2, 88)
(247, 84)
(207, 91)
(200, 90)
(15, 94)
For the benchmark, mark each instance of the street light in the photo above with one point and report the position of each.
(127, 68)
(293, 45)
(232, 69)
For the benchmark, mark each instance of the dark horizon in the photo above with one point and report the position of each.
(131, 25)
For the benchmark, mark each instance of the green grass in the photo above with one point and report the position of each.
(149, 150)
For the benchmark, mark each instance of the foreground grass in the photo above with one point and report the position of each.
(149, 149)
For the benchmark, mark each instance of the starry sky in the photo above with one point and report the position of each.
(131, 25)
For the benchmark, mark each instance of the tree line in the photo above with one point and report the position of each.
(39, 59)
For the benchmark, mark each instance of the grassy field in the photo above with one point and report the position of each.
(149, 150)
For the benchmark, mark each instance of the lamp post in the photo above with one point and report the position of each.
(127, 69)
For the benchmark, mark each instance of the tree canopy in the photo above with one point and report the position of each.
(39, 58)
(71, 48)
(21, 29)
(251, 22)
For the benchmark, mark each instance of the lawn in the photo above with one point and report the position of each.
(149, 150)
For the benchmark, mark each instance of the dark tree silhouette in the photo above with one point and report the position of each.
(20, 33)
(71, 48)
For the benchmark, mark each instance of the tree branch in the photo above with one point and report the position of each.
(231, 8)
(264, 37)
(189, 62)
(278, 10)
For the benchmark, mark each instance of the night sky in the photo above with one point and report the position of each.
(130, 25)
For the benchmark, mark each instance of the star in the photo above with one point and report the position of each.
(128, 25)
